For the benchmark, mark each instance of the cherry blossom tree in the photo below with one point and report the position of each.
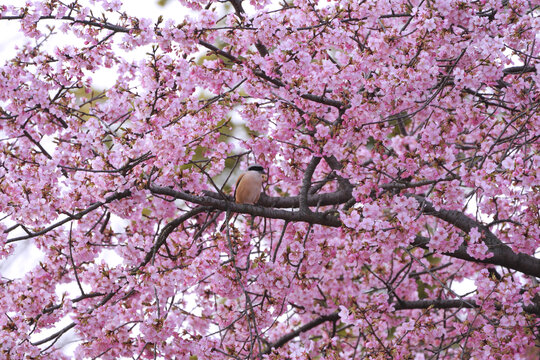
(401, 142)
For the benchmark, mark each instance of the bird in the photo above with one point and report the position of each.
(249, 185)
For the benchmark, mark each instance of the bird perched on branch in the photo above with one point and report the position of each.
(248, 189)
(249, 185)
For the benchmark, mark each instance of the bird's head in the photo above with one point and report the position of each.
(257, 168)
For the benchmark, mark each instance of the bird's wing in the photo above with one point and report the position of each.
(236, 185)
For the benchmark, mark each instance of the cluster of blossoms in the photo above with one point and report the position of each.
(402, 158)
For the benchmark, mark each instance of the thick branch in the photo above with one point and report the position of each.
(310, 325)
(402, 305)
(56, 335)
(262, 75)
(272, 213)
(453, 304)
(519, 69)
(220, 52)
(291, 202)
(503, 255)
(341, 196)
(167, 230)
(306, 183)
(323, 100)
(237, 4)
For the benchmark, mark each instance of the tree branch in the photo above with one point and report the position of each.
(306, 184)
(401, 305)
(502, 254)
(220, 52)
(167, 230)
(310, 325)
(323, 100)
(80, 214)
(272, 212)
(99, 24)
(519, 69)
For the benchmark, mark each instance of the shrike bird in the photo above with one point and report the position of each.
(249, 185)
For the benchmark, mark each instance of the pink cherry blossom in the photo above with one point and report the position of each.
(399, 212)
